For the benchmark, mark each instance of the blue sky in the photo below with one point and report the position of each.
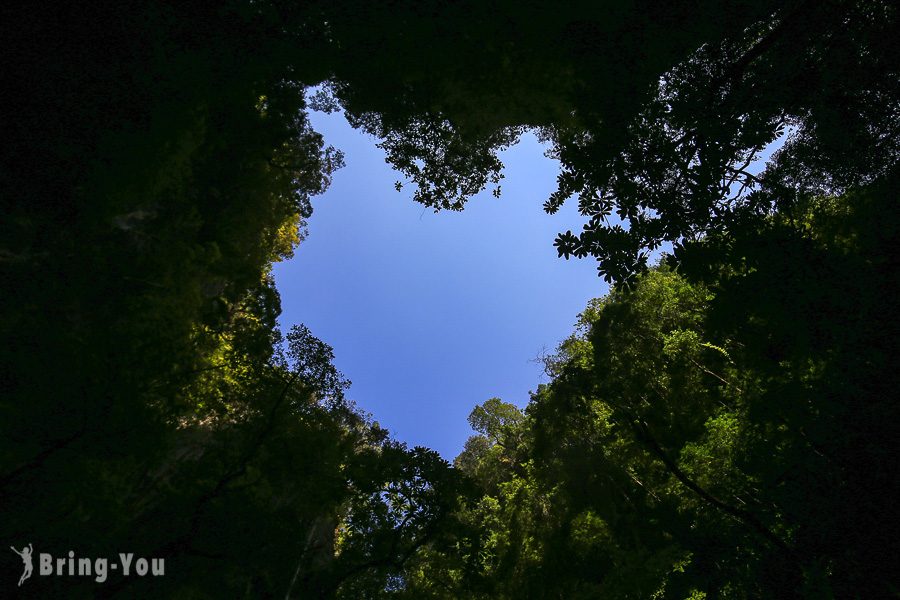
(430, 314)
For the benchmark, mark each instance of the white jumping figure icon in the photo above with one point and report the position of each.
(26, 560)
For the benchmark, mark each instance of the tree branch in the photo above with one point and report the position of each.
(642, 430)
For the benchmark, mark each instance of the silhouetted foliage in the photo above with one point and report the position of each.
(723, 435)
(723, 426)
(654, 112)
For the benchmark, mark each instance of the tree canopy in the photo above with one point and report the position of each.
(702, 437)
(655, 111)
(723, 425)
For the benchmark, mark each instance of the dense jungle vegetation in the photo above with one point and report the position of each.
(724, 424)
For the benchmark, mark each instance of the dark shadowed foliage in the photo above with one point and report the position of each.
(721, 426)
